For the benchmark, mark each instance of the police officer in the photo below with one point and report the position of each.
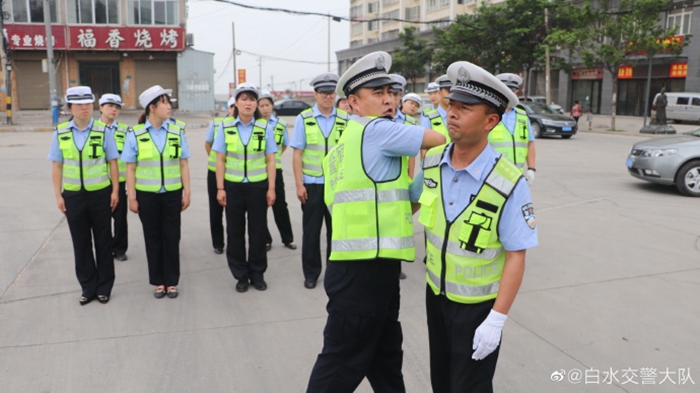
(513, 136)
(158, 184)
(410, 104)
(435, 119)
(279, 209)
(475, 245)
(110, 106)
(245, 181)
(433, 91)
(367, 192)
(316, 131)
(216, 211)
(86, 184)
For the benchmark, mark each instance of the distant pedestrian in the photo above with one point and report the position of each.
(589, 118)
(576, 111)
(86, 184)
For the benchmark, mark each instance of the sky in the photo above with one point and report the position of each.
(267, 33)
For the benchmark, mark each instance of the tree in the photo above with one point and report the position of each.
(412, 57)
(614, 36)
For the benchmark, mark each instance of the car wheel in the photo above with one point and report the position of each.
(688, 179)
(536, 129)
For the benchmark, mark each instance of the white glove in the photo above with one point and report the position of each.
(488, 335)
(530, 176)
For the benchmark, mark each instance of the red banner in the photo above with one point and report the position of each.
(625, 72)
(92, 37)
(241, 76)
(587, 73)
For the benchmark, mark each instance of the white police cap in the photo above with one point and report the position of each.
(432, 87)
(243, 87)
(370, 71)
(412, 97)
(474, 85)
(444, 82)
(511, 80)
(152, 93)
(325, 82)
(266, 94)
(399, 82)
(231, 102)
(111, 99)
(79, 95)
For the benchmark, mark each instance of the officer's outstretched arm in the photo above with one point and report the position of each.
(432, 138)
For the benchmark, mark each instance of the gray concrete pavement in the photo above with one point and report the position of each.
(612, 286)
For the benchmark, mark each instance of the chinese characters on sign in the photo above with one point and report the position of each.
(678, 70)
(625, 72)
(33, 36)
(587, 73)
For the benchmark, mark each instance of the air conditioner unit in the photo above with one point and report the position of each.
(189, 39)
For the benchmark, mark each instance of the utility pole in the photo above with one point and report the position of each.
(235, 72)
(260, 68)
(6, 67)
(329, 42)
(272, 82)
(49, 60)
(548, 95)
(300, 81)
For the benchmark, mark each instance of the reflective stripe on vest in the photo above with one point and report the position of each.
(86, 168)
(156, 170)
(119, 138)
(369, 220)
(512, 146)
(464, 257)
(317, 145)
(245, 161)
(280, 128)
(436, 123)
(179, 123)
(211, 164)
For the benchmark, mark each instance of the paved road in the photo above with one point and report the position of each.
(612, 286)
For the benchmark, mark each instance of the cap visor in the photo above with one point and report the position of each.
(81, 101)
(326, 88)
(173, 99)
(466, 98)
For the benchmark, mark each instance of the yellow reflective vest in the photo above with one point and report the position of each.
(155, 170)
(86, 168)
(465, 257)
(317, 145)
(211, 164)
(436, 123)
(512, 146)
(369, 219)
(280, 128)
(245, 161)
(119, 139)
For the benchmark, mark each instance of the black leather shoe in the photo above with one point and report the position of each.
(260, 285)
(103, 299)
(159, 294)
(268, 247)
(242, 285)
(291, 246)
(310, 283)
(219, 250)
(402, 276)
(121, 257)
(85, 300)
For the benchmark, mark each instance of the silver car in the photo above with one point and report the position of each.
(669, 160)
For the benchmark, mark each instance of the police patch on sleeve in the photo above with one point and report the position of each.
(528, 214)
(430, 183)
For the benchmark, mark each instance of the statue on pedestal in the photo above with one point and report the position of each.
(660, 106)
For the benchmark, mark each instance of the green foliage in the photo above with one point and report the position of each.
(412, 57)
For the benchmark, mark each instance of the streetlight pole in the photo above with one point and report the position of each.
(300, 81)
(233, 33)
(260, 68)
(329, 42)
(49, 59)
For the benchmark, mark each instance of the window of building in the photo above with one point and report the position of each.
(680, 18)
(441, 23)
(390, 35)
(28, 11)
(372, 40)
(356, 11)
(356, 28)
(395, 14)
(413, 13)
(466, 1)
(355, 43)
(437, 4)
(373, 25)
(153, 12)
(373, 7)
(93, 11)
(389, 2)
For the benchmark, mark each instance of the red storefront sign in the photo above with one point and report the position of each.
(91, 37)
(33, 36)
(587, 73)
(678, 70)
(625, 72)
(241, 76)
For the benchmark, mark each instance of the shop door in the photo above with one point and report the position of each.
(157, 72)
(101, 77)
(32, 85)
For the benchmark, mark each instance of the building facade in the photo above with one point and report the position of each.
(113, 46)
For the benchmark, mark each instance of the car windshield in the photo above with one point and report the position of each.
(541, 109)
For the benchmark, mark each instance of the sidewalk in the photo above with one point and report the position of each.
(627, 125)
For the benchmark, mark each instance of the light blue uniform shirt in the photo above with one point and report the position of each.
(459, 185)
(425, 121)
(508, 120)
(210, 133)
(299, 136)
(384, 143)
(79, 138)
(131, 147)
(272, 123)
(245, 131)
(400, 117)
